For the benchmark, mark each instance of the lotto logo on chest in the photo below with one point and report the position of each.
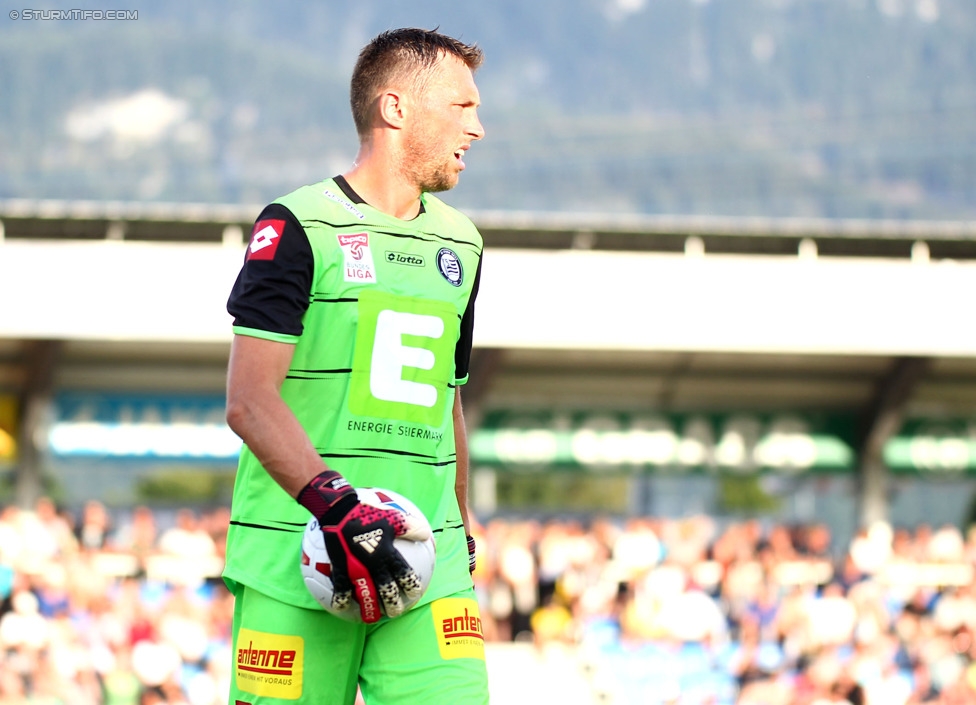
(357, 258)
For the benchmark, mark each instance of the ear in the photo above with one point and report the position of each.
(392, 109)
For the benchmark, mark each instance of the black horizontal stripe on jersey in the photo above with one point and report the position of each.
(402, 452)
(453, 525)
(299, 528)
(319, 299)
(430, 237)
(300, 374)
(290, 528)
(363, 456)
(441, 530)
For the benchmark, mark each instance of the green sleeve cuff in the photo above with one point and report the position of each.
(266, 335)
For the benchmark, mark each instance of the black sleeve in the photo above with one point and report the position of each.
(462, 353)
(273, 287)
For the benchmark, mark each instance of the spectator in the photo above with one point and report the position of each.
(94, 527)
(552, 622)
(188, 538)
(138, 537)
(45, 534)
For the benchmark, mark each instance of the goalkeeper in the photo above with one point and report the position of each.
(353, 315)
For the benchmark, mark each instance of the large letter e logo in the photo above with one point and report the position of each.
(390, 356)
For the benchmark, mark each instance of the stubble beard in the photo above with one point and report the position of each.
(440, 181)
(426, 168)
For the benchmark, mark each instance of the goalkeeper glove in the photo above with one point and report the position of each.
(359, 539)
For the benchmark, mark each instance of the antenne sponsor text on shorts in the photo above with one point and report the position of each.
(74, 15)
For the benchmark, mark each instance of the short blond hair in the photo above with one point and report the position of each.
(399, 55)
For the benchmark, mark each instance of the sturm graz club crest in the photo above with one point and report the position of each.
(449, 265)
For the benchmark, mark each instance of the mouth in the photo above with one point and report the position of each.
(459, 156)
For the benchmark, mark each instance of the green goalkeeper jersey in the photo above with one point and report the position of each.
(380, 312)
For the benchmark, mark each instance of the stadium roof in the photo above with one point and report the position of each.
(143, 271)
(204, 222)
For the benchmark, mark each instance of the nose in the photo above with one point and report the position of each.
(476, 130)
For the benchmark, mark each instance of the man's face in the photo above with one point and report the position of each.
(443, 125)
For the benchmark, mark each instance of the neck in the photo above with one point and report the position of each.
(382, 187)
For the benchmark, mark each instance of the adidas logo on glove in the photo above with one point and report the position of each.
(370, 540)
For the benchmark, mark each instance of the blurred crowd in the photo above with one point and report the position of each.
(693, 612)
(96, 612)
(128, 608)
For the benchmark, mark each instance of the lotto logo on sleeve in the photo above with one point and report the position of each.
(269, 665)
(458, 624)
(265, 238)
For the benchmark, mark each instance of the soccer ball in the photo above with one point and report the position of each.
(317, 568)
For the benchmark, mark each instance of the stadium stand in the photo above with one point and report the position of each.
(711, 617)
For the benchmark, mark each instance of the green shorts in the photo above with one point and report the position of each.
(285, 655)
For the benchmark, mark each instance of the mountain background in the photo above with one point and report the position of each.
(830, 108)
